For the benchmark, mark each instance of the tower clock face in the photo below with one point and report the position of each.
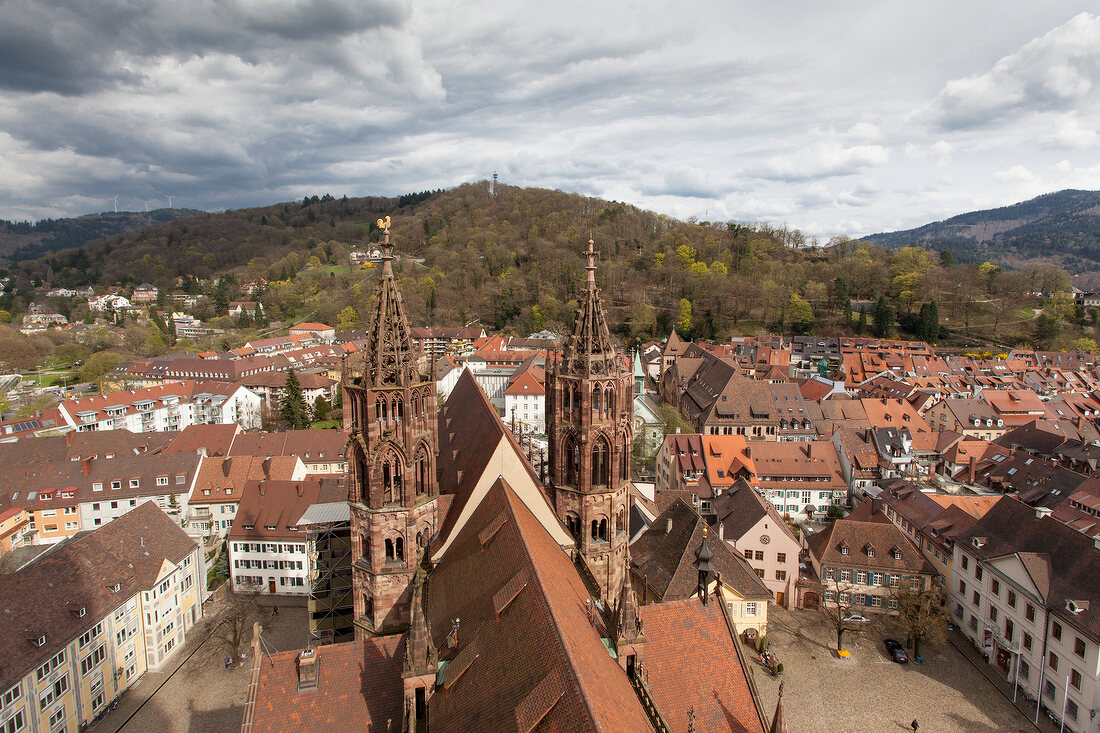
(765, 539)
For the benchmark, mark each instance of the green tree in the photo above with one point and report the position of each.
(883, 319)
(98, 364)
(989, 273)
(1086, 344)
(347, 319)
(321, 408)
(839, 297)
(1047, 328)
(800, 314)
(683, 323)
(292, 407)
(861, 324)
(946, 258)
(928, 323)
(244, 321)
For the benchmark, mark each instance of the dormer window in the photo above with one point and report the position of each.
(897, 554)
(40, 641)
(116, 587)
(844, 549)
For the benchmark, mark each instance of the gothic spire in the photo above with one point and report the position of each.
(630, 625)
(589, 349)
(420, 653)
(779, 722)
(389, 354)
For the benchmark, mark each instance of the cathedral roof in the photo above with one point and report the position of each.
(526, 651)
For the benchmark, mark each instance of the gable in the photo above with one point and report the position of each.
(1013, 568)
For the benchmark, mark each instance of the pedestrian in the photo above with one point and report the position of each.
(274, 610)
(914, 725)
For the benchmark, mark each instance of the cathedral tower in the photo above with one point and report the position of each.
(590, 415)
(391, 424)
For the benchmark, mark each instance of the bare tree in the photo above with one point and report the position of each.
(922, 614)
(231, 630)
(838, 609)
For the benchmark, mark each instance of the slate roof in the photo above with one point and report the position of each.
(741, 507)
(528, 653)
(80, 571)
(358, 684)
(1056, 556)
(695, 662)
(665, 559)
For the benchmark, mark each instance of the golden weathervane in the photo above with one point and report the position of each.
(384, 224)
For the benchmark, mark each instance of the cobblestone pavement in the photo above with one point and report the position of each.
(871, 694)
(196, 692)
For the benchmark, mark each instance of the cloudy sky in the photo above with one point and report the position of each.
(833, 117)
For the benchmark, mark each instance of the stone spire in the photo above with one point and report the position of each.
(389, 353)
(421, 657)
(703, 556)
(779, 722)
(589, 350)
(630, 625)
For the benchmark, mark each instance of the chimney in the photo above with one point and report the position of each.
(307, 670)
(668, 526)
(68, 439)
(1042, 511)
(973, 461)
(299, 490)
(86, 466)
(721, 532)
(261, 485)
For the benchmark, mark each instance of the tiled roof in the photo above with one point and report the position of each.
(469, 432)
(312, 446)
(358, 685)
(694, 662)
(225, 478)
(664, 558)
(271, 509)
(741, 507)
(528, 657)
(216, 440)
(856, 535)
(80, 571)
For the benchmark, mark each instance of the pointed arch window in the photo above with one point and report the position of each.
(620, 521)
(601, 463)
(382, 407)
(576, 406)
(572, 461)
(609, 400)
(398, 409)
(422, 472)
(596, 401)
(359, 473)
(391, 476)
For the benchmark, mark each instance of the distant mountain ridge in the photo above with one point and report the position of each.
(1061, 227)
(21, 240)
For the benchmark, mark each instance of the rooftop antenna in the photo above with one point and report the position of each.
(169, 200)
(493, 186)
(116, 204)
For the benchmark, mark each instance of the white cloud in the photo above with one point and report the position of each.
(1056, 71)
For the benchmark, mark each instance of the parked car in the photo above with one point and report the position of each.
(856, 618)
(897, 653)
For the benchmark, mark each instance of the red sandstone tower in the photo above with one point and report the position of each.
(391, 423)
(590, 415)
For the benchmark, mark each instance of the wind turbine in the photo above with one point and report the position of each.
(116, 204)
(169, 200)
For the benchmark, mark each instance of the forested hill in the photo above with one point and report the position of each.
(22, 240)
(1061, 227)
(512, 261)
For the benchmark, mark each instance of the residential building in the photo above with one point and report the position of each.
(166, 407)
(437, 341)
(84, 621)
(317, 330)
(220, 484)
(1023, 590)
(144, 293)
(865, 564)
(751, 525)
(525, 399)
(973, 418)
(267, 547)
(663, 567)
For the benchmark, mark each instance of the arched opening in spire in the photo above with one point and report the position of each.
(382, 408)
(572, 455)
(398, 408)
(597, 403)
(601, 463)
(573, 524)
(599, 529)
(422, 473)
(391, 477)
(359, 473)
(609, 400)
